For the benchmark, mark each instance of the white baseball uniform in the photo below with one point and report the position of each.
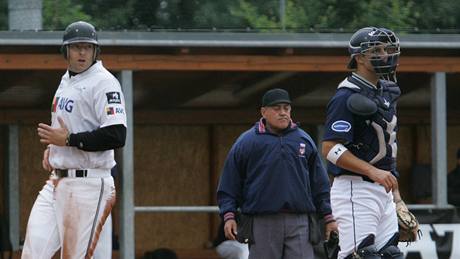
(80, 205)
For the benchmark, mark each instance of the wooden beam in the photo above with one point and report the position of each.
(224, 62)
(211, 116)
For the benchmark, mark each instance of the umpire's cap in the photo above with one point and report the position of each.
(275, 96)
(80, 32)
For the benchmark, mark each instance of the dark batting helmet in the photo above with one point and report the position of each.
(366, 39)
(80, 32)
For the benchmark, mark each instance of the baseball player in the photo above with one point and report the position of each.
(88, 121)
(360, 145)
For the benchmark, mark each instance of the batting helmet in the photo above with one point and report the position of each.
(79, 32)
(368, 38)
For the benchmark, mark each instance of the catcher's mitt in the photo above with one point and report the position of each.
(408, 224)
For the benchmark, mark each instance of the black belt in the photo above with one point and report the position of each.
(61, 173)
(365, 178)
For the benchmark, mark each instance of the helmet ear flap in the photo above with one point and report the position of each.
(64, 51)
(97, 52)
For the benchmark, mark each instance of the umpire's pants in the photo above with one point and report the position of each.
(281, 236)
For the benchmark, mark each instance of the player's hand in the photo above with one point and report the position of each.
(55, 136)
(230, 228)
(385, 178)
(45, 162)
(329, 227)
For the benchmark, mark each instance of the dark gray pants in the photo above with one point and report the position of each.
(281, 236)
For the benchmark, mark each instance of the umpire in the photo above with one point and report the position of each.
(273, 174)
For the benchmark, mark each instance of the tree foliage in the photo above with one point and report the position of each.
(300, 15)
(57, 14)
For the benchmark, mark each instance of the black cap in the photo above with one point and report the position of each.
(275, 96)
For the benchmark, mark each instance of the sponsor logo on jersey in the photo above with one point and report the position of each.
(341, 126)
(62, 103)
(110, 110)
(301, 149)
(113, 97)
(386, 103)
(114, 110)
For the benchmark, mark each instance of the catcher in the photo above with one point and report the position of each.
(360, 145)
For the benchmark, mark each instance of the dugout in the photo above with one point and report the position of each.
(191, 95)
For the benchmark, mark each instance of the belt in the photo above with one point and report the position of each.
(350, 176)
(61, 173)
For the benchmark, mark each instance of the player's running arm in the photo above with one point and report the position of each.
(338, 154)
(101, 139)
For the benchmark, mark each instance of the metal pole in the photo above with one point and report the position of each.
(13, 202)
(283, 14)
(319, 139)
(127, 245)
(438, 138)
(177, 209)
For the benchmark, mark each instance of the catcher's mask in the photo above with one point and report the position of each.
(80, 32)
(380, 45)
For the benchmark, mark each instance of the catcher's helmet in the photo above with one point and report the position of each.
(368, 38)
(79, 32)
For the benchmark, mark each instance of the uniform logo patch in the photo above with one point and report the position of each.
(114, 110)
(341, 126)
(386, 103)
(110, 110)
(113, 97)
(62, 103)
(301, 149)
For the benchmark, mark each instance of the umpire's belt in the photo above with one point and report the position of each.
(61, 173)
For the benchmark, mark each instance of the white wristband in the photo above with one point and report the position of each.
(335, 152)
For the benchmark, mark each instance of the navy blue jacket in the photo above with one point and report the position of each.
(267, 173)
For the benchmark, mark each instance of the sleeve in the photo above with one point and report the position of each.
(339, 119)
(229, 190)
(109, 103)
(319, 182)
(101, 139)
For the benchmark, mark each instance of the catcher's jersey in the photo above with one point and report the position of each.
(371, 138)
(86, 102)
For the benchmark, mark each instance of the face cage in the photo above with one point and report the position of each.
(384, 64)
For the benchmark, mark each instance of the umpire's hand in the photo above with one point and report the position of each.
(55, 136)
(230, 228)
(329, 228)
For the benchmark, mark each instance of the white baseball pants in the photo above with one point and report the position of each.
(362, 208)
(70, 216)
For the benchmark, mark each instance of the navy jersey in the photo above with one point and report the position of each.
(371, 138)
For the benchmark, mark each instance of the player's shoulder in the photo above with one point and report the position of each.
(101, 78)
(344, 90)
(390, 86)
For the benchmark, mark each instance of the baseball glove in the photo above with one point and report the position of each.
(408, 224)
